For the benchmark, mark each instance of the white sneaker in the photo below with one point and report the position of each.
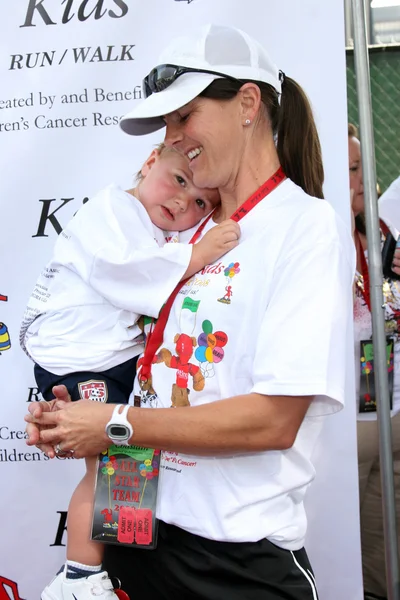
(97, 586)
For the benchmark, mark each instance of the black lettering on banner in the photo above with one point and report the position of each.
(32, 7)
(124, 9)
(33, 394)
(97, 11)
(127, 52)
(15, 126)
(45, 216)
(66, 16)
(37, 6)
(62, 527)
(16, 61)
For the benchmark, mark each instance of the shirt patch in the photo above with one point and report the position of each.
(93, 390)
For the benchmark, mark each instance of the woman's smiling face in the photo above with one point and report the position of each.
(210, 133)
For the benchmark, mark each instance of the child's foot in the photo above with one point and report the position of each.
(98, 585)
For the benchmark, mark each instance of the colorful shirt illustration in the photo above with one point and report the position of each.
(230, 271)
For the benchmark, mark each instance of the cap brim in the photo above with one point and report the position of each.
(147, 116)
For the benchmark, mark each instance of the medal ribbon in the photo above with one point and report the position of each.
(156, 336)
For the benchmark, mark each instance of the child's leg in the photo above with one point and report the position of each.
(80, 548)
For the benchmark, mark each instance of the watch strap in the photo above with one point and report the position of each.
(119, 417)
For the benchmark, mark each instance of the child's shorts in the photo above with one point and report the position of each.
(113, 386)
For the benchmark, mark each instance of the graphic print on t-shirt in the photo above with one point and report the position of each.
(209, 351)
(184, 345)
(230, 271)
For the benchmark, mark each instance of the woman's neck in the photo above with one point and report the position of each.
(253, 172)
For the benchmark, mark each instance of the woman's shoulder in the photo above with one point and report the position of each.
(314, 218)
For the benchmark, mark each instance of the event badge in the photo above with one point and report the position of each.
(124, 511)
(367, 400)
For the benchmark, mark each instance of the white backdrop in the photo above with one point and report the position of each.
(58, 62)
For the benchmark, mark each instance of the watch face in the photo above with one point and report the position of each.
(118, 432)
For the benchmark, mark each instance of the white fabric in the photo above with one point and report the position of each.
(389, 204)
(363, 331)
(107, 269)
(290, 305)
(218, 48)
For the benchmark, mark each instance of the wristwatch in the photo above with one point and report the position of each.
(118, 428)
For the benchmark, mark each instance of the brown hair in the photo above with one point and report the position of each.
(292, 121)
(352, 130)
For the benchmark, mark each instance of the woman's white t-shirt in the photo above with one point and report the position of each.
(270, 317)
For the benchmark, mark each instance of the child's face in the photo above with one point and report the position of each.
(168, 194)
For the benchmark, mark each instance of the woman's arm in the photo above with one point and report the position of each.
(248, 423)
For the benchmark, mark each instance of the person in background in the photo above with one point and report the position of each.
(373, 550)
(274, 315)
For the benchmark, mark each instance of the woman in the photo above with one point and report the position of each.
(256, 365)
(373, 548)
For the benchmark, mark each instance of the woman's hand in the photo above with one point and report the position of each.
(75, 426)
(36, 410)
(396, 262)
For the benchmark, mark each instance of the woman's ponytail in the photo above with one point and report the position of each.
(292, 121)
(298, 145)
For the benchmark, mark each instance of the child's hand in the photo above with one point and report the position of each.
(218, 241)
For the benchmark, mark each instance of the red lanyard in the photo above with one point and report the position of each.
(364, 266)
(156, 336)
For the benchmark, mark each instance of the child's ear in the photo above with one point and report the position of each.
(148, 164)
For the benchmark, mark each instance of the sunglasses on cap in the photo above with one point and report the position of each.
(163, 76)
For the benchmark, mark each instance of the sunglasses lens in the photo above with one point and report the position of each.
(146, 88)
(159, 79)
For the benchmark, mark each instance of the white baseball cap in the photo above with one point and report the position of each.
(223, 50)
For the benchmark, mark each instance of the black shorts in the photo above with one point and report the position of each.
(188, 567)
(113, 386)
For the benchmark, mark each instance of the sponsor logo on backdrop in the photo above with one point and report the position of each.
(5, 342)
(9, 589)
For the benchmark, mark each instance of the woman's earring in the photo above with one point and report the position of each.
(247, 122)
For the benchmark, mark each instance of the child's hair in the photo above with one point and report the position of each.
(161, 148)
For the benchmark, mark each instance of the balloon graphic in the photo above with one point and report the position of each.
(210, 348)
(231, 270)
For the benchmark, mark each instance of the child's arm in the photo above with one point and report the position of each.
(214, 244)
(110, 245)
